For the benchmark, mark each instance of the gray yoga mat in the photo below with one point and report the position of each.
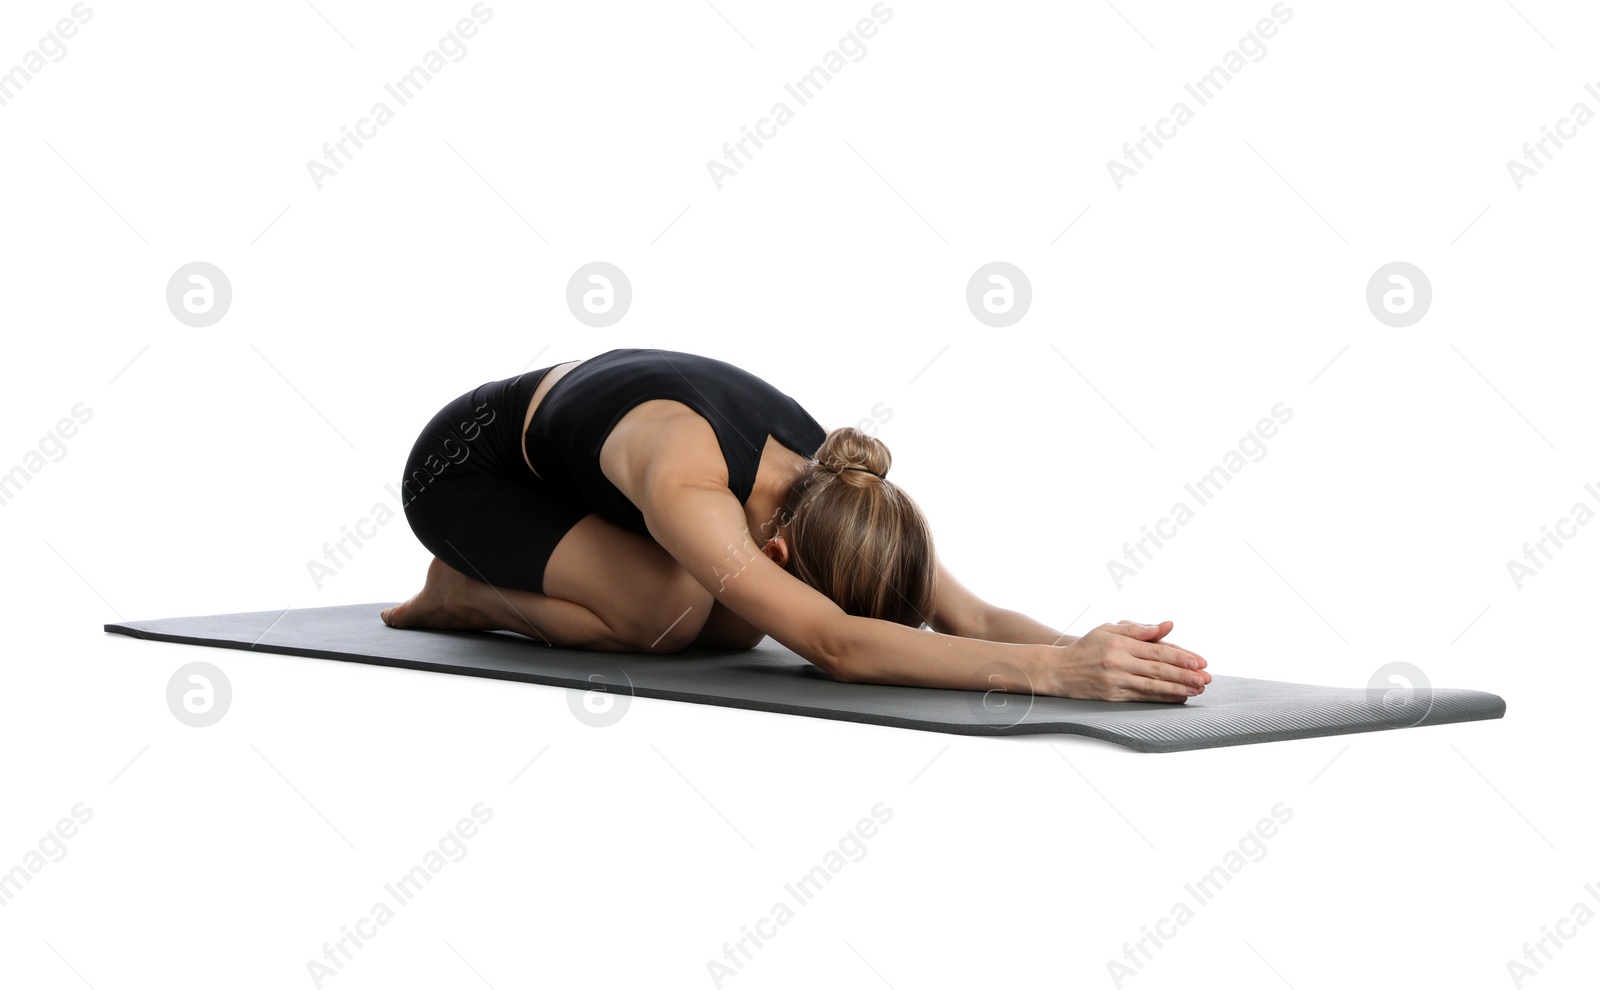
(1232, 711)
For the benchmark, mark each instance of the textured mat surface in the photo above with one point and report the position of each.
(1231, 712)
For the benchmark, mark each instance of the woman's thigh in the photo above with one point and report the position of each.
(512, 536)
(636, 588)
(499, 532)
(473, 503)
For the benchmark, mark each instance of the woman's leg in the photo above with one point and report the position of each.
(512, 554)
(640, 592)
(450, 599)
(627, 594)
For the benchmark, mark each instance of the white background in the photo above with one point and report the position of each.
(1229, 275)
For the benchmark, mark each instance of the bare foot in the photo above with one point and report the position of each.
(438, 605)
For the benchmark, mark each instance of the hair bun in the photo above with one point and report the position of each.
(849, 448)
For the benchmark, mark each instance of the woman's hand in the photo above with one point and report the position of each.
(1124, 661)
(1130, 622)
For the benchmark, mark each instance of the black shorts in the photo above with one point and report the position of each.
(471, 498)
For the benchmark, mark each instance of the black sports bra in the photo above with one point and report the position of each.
(578, 413)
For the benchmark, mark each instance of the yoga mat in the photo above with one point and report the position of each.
(1231, 712)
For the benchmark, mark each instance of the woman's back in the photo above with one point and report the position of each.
(575, 416)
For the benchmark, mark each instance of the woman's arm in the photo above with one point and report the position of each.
(701, 523)
(959, 612)
(704, 528)
(690, 512)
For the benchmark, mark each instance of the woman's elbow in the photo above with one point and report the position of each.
(835, 649)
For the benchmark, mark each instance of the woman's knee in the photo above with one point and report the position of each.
(644, 596)
(672, 620)
(724, 629)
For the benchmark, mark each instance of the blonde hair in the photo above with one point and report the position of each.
(859, 538)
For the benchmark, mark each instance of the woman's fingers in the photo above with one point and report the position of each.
(1125, 661)
(1142, 632)
(1159, 671)
(1157, 661)
(1167, 654)
(1190, 652)
(1154, 689)
(1143, 664)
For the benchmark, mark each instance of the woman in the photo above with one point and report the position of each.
(647, 500)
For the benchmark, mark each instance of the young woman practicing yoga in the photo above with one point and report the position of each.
(646, 500)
